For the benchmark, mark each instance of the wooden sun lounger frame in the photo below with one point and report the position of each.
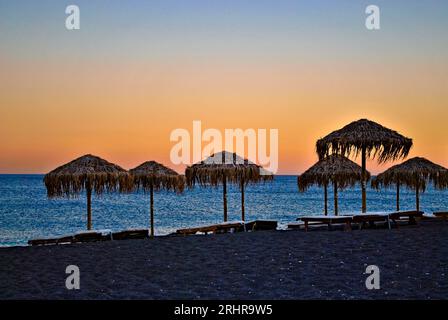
(261, 225)
(362, 219)
(131, 234)
(91, 237)
(365, 218)
(301, 225)
(329, 221)
(76, 238)
(441, 214)
(226, 227)
(49, 241)
(144, 233)
(412, 216)
(215, 228)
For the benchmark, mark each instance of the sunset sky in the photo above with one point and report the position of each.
(136, 70)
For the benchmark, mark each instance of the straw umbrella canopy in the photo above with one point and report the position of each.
(335, 169)
(369, 139)
(226, 167)
(414, 174)
(152, 176)
(89, 173)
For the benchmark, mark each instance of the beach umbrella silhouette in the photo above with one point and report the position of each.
(89, 173)
(152, 176)
(226, 167)
(414, 174)
(335, 169)
(369, 139)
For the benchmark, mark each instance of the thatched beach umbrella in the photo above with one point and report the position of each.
(89, 173)
(152, 176)
(369, 139)
(413, 173)
(335, 169)
(225, 167)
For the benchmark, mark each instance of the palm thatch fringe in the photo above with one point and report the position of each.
(84, 172)
(334, 168)
(152, 174)
(225, 166)
(413, 173)
(365, 136)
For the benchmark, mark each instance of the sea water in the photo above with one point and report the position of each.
(27, 213)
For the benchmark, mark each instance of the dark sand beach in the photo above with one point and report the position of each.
(413, 262)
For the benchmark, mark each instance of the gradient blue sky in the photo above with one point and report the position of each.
(138, 69)
(236, 28)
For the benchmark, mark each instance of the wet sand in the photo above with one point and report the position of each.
(413, 264)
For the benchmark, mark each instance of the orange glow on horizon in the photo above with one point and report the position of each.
(124, 111)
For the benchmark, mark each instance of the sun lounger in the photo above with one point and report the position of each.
(429, 216)
(436, 216)
(410, 216)
(395, 217)
(214, 228)
(261, 225)
(131, 234)
(328, 220)
(362, 219)
(92, 236)
(65, 239)
(42, 242)
(296, 225)
(441, 214)
(301, 225)
(50, 241)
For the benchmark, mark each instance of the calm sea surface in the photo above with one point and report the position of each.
(26, 213)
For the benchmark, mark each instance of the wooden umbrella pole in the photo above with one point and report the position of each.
(224, 192)
(326, 198)
(335, 184)
(398, 196)
(363, 182)
(242, 201)
(152, 209)
(89, 205)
